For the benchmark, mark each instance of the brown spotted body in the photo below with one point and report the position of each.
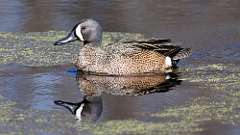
(122, 58)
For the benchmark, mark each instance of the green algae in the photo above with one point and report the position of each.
(200, 111)
(139, 128)
(5, 110)
(217, 76)
(14, 121)
(50, 36)
(223, 80)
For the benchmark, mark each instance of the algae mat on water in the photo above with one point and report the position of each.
(36, 49)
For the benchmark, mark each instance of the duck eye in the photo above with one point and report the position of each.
(83, 28)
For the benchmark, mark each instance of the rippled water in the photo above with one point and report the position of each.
(211, 28)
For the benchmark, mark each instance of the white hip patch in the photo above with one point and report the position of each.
(168, 62)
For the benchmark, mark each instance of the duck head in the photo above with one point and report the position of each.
(87, 31)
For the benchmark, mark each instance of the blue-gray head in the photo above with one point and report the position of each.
(87, 31)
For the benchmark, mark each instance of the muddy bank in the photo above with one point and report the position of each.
(36, 49)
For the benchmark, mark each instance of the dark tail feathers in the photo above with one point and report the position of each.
(182, 54)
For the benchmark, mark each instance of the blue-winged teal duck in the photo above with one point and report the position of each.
(122, 58)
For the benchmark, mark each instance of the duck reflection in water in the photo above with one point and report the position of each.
(93, 86)
(90, 108)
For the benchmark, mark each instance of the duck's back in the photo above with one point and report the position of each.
(130, 58)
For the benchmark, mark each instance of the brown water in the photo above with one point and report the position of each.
(211, 28)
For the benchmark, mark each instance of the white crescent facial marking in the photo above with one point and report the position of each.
(79, 33)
